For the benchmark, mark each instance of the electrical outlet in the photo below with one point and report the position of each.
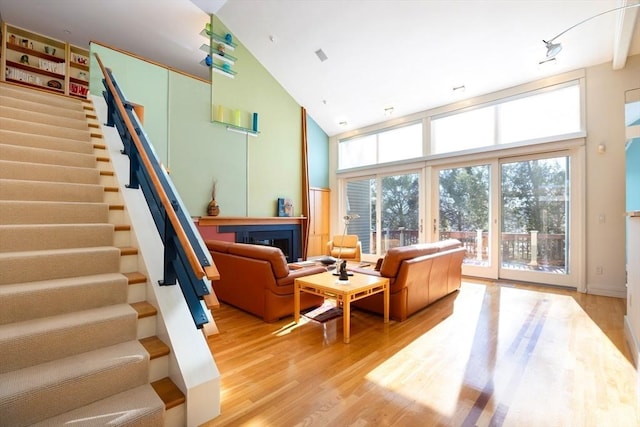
(599, 269)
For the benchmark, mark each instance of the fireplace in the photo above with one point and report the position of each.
(286, 237)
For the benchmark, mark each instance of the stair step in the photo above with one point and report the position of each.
(20, 153)
(35, 128)
(59, 296)
(14, 189)
(44, 141)
(64, 335)
(137, 286)
(43, 108)
(48, 173)
(47, 390)
(30, 237)
(155, 347)
(170, 394)
(41, 97)
(28, 212)
(138, 406)
(144, 309)
(31, 266)
(57, 118)
(125, 251)
(135, 277)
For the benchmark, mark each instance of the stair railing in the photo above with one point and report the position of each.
(185, 260)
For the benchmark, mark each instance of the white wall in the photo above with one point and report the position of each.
(605, 175)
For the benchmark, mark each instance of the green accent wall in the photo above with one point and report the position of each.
(318, 153)
(251, 172)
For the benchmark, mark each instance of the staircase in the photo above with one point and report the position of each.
(77, 338)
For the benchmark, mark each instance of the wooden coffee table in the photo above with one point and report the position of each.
(327, 285)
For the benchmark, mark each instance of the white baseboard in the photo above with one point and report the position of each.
(607, 292)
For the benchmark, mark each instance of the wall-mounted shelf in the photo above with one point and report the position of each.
(239, 129)
(218, 38)
(221, 61)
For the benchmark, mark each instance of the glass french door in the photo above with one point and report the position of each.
(519, 218)
(464, 212)
(388, 209)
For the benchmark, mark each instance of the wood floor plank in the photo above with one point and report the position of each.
(491, 354)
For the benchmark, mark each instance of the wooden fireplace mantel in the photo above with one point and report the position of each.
(207, 221)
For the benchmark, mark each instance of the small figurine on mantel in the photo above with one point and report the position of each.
(344, 276)
(213, 209)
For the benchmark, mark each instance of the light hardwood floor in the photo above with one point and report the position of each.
(488, 355)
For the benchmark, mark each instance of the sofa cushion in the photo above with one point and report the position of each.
(267, 253)
(395, 256)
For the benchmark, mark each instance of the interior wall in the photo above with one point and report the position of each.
(318, 154)
(251, 172)
(605, 175)
(141, 82)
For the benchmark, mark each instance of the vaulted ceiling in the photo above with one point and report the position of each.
(404, 54)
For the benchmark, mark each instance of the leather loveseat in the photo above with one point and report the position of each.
(418, 276)
(257, 279)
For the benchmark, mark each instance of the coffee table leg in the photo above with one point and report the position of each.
(386, 296)
(296, 301)
(346, 320)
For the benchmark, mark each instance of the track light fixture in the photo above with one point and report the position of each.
(554, 48)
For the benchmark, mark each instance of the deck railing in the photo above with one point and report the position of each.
(185, 259)
(516, 248)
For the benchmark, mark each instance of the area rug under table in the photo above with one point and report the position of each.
(324, 313)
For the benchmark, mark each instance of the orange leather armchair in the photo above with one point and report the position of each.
(345, 247)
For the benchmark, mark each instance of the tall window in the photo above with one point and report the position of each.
(383, 147)
(546, 113)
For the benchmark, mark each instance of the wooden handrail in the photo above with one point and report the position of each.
(210, 272)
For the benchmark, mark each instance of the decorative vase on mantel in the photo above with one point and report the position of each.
(213, 209)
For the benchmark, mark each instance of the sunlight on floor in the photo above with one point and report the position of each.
(506, 351)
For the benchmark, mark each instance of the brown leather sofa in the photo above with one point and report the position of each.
(418, 276)
(257, 279)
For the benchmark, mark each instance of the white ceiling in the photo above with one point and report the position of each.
(406, 54)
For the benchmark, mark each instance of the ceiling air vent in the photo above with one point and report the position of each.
(321, 55)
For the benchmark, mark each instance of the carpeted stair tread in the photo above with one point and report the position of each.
(15, 189)
(45, 141)
(138, 407)
(41, 97)
(48, 173)
(59, 296)
(30, 237)
(29, 212)
(54, 117)
(69, 319)
(47, 156)
(43, 108)
(52, 388)
(44, 129)
(64, 335)
(31, 266)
